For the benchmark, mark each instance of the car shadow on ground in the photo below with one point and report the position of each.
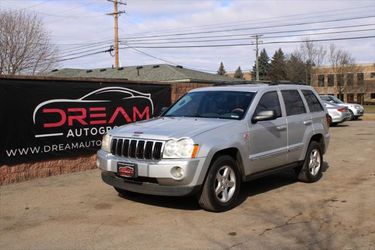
(341, 125)
(271, 182)
(248, 189)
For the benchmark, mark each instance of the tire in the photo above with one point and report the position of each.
(334, 124)
(355, 118)
(351, 115)
(124, 193)
(222, 185)
(311, 170)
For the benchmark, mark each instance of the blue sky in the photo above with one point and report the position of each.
(77, 26)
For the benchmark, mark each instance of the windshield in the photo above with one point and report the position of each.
(212, 104)
(336, 100)
(331, 98)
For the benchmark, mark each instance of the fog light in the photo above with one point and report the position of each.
(177, 173)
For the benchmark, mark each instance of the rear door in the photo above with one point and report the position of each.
(298, 122)
(268, 147)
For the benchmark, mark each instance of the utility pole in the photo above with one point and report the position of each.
(116, 13)
(257, 55)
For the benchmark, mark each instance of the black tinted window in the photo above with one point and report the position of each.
(312, 101)
(293, 102)
(269, 101)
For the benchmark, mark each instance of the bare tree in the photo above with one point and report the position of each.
(343, 65)
(25, 46)
(313, 55)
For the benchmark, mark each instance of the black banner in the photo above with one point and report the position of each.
(42, 119)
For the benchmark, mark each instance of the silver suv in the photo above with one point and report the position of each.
(212, 139)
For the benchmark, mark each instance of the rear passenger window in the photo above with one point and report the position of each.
(293, 102)
(269, 101)
(312, 101)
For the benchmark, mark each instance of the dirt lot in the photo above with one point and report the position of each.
(78, 211)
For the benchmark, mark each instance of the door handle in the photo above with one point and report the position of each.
(307, 122)
(282, 127)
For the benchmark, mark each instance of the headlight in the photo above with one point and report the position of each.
(357, 107)
(106, 143)
(182, 148)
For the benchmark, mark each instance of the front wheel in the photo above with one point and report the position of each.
(351, 115)
(222, 185)
(311, 169)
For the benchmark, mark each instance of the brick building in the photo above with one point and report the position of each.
(354, 84)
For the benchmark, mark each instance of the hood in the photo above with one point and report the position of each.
(352, 105)
(164, 128)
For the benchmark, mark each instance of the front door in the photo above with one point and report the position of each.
(268, 139)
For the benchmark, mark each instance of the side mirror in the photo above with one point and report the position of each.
(264, 116)
(162, 111)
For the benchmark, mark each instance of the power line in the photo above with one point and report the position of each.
(246, 38)
(253, 34)
(260, 27)
(163, 60)
(235, 23)
(247, 44)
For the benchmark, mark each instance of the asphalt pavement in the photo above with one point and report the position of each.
(79, 211)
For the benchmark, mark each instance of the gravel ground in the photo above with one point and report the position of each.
(78, 211)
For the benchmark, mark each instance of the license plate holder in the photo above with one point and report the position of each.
(127, 170)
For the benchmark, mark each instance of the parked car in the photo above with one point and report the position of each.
(337, 114)
(355, 110)
(212, 139)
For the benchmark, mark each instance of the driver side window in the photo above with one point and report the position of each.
(269, 101)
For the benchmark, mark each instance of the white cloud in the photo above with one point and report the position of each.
(86, 22)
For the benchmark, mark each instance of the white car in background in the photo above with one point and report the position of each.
(355, 110)
(337, 114)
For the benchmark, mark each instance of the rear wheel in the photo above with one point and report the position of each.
(222, 185)
(329, 119)
(311, 169)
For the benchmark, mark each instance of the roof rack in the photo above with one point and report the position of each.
(286, 82)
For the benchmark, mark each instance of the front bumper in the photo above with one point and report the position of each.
(359, 112)
(154, 177)
(147, 188)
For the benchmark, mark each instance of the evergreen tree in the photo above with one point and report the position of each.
(295, 68)
(264, 66)
(238, 74)
(278, 66)
(221, 71)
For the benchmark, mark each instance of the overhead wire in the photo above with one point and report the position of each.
(260, 27)
(247, 38)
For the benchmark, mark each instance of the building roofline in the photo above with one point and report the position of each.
(80, 79)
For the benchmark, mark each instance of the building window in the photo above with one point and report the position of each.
(340, 96)
(331, 80)
(372, 74)
(372, 95)
(360, 78)
(350, 79)
(360, 98)
(350, 97)
(320, 80)
(340, 79)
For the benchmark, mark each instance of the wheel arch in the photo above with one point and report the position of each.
(235, 154)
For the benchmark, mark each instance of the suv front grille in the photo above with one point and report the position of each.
(137, 148)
